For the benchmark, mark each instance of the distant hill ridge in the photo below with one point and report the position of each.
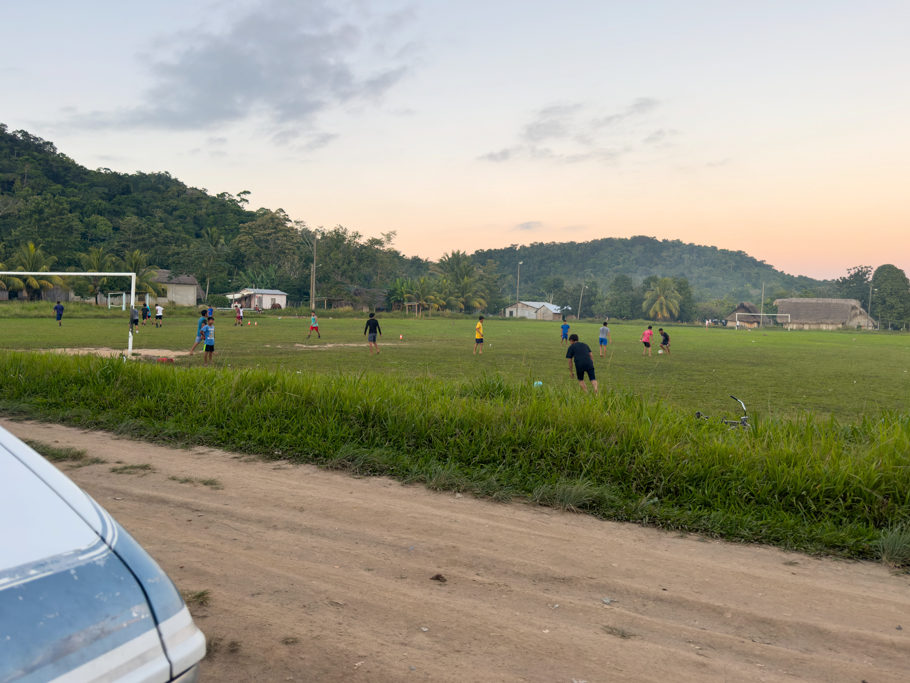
(712, 272)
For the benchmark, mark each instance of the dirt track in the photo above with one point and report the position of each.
(316, 575)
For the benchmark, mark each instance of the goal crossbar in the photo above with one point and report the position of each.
(761, 317)
(131, 276)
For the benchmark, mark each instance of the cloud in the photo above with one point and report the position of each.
(529, 226)
(576, 133)
(280, 61)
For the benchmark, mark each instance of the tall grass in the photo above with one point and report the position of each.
(816, 485)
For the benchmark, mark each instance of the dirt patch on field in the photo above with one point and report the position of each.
(315, 575)
(116, 353)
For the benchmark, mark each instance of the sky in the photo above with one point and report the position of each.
(777, 128)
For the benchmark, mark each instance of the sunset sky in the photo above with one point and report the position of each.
(778, 128)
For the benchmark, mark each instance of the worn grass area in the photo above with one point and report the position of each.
(847, 375)
(816, 484)
(74, 457)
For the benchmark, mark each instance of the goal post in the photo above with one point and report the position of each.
(774, 319)
(131, 276)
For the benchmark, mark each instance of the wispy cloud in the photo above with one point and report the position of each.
(528, 226)
(282, 62)
(575, 132)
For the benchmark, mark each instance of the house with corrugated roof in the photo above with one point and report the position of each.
(824, 314)
(534, 310)
(262, 299)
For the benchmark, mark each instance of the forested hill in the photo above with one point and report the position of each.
(711, 272)
(55, 212)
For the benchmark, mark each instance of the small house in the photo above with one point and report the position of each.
(823, 314)
(182, 290)
(262, 299)
(745, 315)
(534, 310)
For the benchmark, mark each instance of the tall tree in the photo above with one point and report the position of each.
(855, 284)
(97, 260)
(136, 261)
(29, 258)
(662, 300)
(891, 297)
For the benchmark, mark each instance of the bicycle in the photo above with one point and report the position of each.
(742, 422)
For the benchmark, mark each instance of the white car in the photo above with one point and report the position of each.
(80, 600)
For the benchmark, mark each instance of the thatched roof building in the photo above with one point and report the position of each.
(744, 319)
(824, 314)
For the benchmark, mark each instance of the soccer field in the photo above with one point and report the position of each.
(848, 375)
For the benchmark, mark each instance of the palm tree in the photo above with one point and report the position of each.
(213, 250)
(662, 300)
(399, 292)
(97, 260)
(422, 294)
(137, 261)
(31, 259)
(10, 282)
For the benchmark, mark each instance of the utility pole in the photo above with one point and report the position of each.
(761, 320)
(518, 282)
(578, 313)
(313, 274)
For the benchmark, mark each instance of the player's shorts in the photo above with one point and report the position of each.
(313, 328)
(198, 338)
(647, 345)
(209, 348)
(158, 317)
(479, 340)
(603, 341)
(59, 316)
(580, 373)
(565, 335)
(371, 337)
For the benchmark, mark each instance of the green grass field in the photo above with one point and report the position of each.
(825, 468)
(848, 375)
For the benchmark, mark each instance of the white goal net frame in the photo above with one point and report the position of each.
(131, 276)
(761, 317)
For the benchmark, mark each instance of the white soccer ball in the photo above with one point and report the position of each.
(659, 351)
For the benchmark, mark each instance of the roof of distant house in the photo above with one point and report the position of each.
(542, 304)
(166, 277)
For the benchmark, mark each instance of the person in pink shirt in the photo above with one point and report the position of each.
(646, 340)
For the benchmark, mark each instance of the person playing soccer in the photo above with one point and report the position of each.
(664, 341)
(581, 354)
(314, 325)
(646, 340)
(371, 329)
(159, 315)
(203, 319)
(565, 331)
(134, 320)
(146, 312)
(238, 320)
(58, 312)
(208, 333)
(478, 337)
(603, 339)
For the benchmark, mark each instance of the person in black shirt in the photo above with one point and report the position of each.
(584, 361)
(664, 342)
(371, 329)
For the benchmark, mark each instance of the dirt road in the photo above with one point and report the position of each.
(316, 575)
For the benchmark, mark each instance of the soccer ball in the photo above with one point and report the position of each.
(538, 383)
(660, 351)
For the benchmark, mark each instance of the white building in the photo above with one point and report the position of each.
(534, 310)
(260, 298)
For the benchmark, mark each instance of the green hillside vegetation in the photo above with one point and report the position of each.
(58, 215)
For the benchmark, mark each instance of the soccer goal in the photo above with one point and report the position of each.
(747, 320)
(131, 276)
